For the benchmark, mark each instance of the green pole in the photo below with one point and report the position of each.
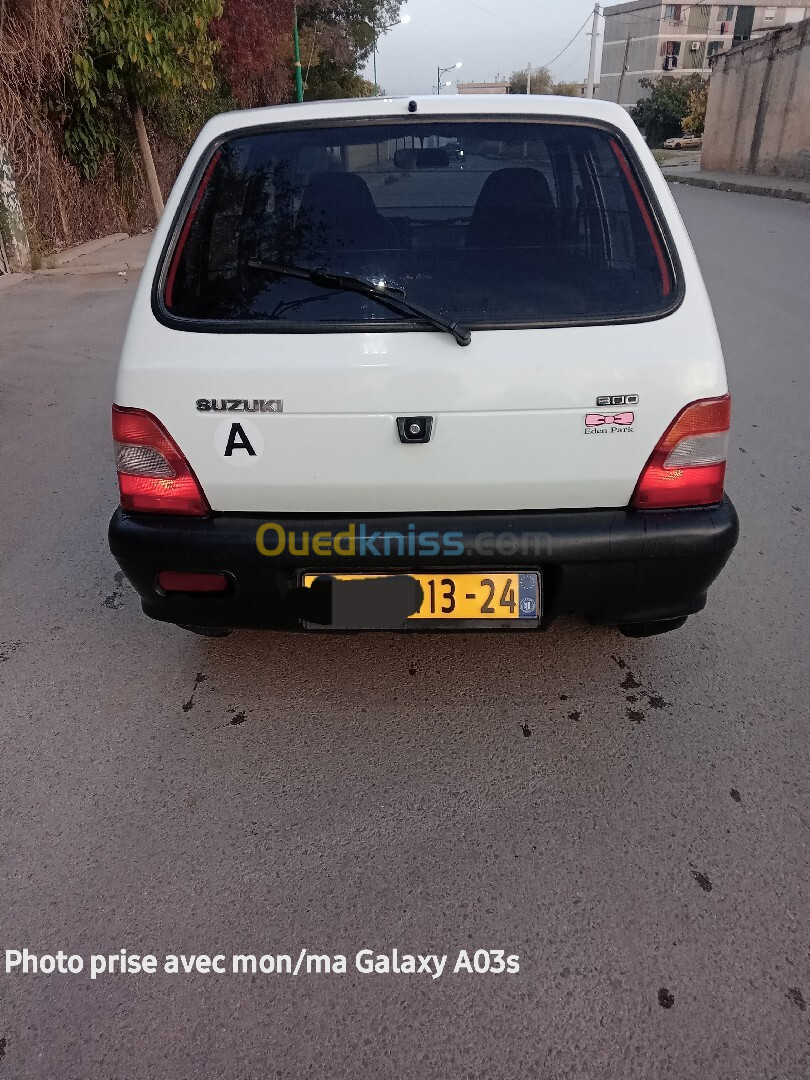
(299, 82)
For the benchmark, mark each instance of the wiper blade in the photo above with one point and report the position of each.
(393, 297)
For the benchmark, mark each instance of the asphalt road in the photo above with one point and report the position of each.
(630, 817)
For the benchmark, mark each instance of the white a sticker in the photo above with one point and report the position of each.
(239, 442)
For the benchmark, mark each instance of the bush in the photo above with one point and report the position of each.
(661, 114)
(695, 120)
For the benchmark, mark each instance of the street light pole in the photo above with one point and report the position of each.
(443, 71)
(299, 82)
(624, 67)
(382, 30)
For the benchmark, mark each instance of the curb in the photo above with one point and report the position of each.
(793, 194)
(8, 281)
(67, 256)
(98, 268)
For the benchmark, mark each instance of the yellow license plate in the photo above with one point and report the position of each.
(479, 597)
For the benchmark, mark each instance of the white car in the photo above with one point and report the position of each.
(361, 389)
(684, 142)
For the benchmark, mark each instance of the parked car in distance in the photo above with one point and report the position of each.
(684, 142)
(362, 390)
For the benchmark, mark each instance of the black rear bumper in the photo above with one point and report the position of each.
(611, 566)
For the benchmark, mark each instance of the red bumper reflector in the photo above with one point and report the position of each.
(191, 581)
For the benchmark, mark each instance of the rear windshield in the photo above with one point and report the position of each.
(492, 224)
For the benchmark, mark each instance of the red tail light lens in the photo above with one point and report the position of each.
(688, 466)
(153, 475)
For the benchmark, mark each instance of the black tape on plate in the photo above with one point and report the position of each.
(383, 603)
(376, 603)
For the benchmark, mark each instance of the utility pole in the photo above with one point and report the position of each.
(299, 82)
(705, 60)
(624, 67)
(592, 63)
(529, 77)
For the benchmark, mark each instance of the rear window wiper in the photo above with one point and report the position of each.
(391, 296)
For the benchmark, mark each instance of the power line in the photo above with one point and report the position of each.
(571, 63)
(520, 26)
(571, 42)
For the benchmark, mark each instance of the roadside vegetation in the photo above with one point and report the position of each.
(101, 99)
(542, 83)
(673, 106)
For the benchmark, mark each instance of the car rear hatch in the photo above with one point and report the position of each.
(546, 239)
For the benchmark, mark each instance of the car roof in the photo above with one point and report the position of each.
(467, 106)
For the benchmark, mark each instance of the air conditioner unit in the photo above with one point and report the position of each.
(694, 46)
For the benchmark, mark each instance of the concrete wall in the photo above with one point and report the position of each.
(483, 88)
(758, 116)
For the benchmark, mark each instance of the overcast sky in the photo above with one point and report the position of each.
(490, 37)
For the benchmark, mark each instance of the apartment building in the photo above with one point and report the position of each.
(644, 40)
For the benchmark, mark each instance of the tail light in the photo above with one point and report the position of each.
(688, 466)
(153, 475)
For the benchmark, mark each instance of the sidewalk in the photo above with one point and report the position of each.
(108, 255)
(777, 187)
(116, 254)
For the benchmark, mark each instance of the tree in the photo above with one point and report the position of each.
(255, 38)
(542, 82)
(337, 37)
(660, 115)
(695, 120)
(135, 52)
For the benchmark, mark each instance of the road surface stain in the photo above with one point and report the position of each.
(702, 881)
(796, 996)
(199, 678)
